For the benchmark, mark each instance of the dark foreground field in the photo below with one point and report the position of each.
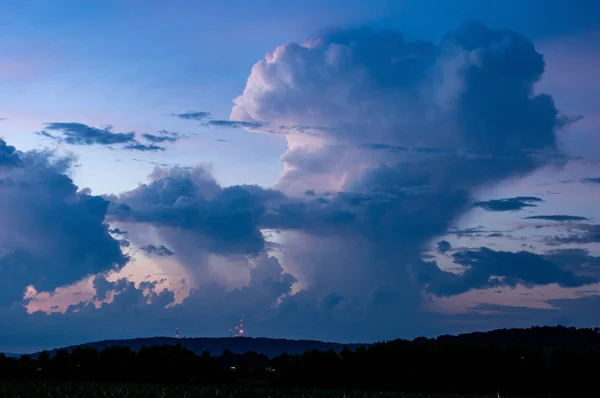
(106, 390)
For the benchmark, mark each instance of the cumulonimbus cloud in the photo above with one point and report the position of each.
(407, 131)
(396, 137)
(466, 107)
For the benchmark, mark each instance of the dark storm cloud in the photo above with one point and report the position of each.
(160, 251)
(192, 201)
(508, 204)
(557, 217)
(486, 268)
(591, 180)
(51, 234)
(192, 115)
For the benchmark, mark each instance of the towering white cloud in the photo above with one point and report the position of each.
(408, 129)
(473, 92)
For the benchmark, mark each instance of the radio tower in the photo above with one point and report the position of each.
(176, 333)
(239, 329)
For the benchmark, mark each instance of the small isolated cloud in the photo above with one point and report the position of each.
(47, 135)
(82, 134)
(591, 180)
(164, 137)
(117, 231)
(508, 204)
(160, 251)
(233, 124)
(192, 115)
(144, 147)
(443, 246)
(557, 217)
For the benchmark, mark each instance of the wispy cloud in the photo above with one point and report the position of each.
(591, 180)
(160, 251)
(233, 124)
(160, 138)
(73, 133)
(192, 115)
(557, 217)
(580, 234)
(143, 147)
(82, 134)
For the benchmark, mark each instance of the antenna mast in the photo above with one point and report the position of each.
(239, 329)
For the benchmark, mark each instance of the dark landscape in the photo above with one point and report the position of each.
(531, 362)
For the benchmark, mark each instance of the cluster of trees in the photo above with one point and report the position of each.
(557, 361)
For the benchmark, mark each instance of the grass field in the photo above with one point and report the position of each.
(93, 390)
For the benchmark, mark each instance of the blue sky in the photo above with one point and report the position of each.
(358, 151)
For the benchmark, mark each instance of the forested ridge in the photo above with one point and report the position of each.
(536, 361)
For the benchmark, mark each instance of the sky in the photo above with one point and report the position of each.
(347, 171)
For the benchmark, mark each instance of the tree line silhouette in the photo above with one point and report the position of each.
(533, 362)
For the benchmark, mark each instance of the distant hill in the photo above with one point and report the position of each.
(547, 338)
(216, 346)
(11, 355)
